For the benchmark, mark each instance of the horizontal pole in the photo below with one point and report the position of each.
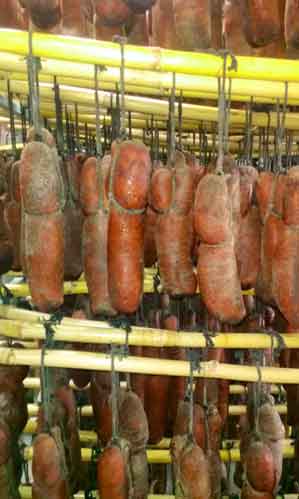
(89, 51)
(13, 65)
(86, 411)
(34, 384)
(142, 365)
(153, 106)
(151, 83)
(79, 331)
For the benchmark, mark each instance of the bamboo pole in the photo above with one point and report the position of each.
(150, 106)
(34, 384)
(86, 411)
(85, 331)
(14, 65)
(159, 84)
(90, 51)
(141, 365)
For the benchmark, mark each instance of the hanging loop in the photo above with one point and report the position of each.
(122, 41)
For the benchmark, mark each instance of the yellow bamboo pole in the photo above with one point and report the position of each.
(86, 411)
(75, 330)
(13, 65)
(151, 106)
(34, 384)
(159, 84)
(141, 365)
(90, 51)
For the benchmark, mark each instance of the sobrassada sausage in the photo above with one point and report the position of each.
(45, 14)
(129, 186)
(12, 15)
(285, 258)
(191, 469)
(77, 18)
(112, 12)
(42, 194)
(93, 195)
(48, 468)
(261, 21)
(113, 471)
(163, 25)
(262, 457)
(13, 213)
(6, 247)
(216, 223)
(181, 426)
(172, 194)
(73, 221)
(193, 24)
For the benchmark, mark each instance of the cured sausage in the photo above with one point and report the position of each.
(45, 14)
(248, 244)
(191, 469)
(216, 19)
(6, 247)
(138, 32)
(129, 187)
(13, 213)
(77, 18)
(93, 194)
(133, 428)
(262, 23)
(291, 24)
(181, 426)
(163, 25)
(42, 194)
(285, 258)
(112, 12)
(172, 194)
(12, 15)
(193, 23)
(48, 467)
(113, 471)
(14, 415)
(261, 454)
(73, 221)
(216, 224)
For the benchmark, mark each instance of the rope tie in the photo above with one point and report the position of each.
(122, 41)
(46, 378)
(114, 397)
(171, 124)
(32, 68)
(223, 109)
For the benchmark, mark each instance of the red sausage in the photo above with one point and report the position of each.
(130, 177)
(13, 213)
(193, 23)
(47, 468)
(42, 194)
(94, 202)
(112, 471)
